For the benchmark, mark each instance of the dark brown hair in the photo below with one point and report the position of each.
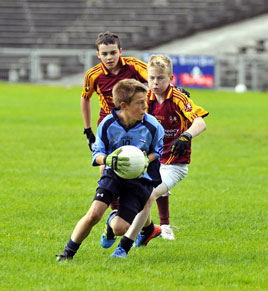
(108, 38)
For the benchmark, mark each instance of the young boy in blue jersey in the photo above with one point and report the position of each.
(127, 125)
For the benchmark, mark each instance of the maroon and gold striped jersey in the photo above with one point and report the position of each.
(176, 115)
(98, 79)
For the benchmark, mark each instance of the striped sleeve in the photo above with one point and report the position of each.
(140, 67)
(187, 107)
(89, 82)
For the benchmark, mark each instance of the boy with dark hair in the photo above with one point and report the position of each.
(102, 78)
(127, 125)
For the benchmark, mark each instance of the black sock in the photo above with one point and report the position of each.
(147, 230)
(71, 247)
(126, 243)
(110, 234)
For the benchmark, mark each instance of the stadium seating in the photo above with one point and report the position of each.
(141, 23)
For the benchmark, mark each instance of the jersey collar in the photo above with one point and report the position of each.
(169, 94)
(106, 71)
(114, 113)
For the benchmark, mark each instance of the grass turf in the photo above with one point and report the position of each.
(47, 183)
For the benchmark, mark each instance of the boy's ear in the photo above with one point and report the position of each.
(171, 78)
(120, 52)
(123, 105)
(97, 54)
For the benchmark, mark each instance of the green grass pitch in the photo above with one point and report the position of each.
(47, 183)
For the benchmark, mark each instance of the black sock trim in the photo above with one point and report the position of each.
(147, 230)
(71, 247)
(126, 243)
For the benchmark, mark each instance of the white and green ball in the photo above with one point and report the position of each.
(136, 161)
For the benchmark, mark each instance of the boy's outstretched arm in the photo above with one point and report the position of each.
(197, 127)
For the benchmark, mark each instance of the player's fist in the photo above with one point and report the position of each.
(181, 145)
(90, 137)
(184, 91)
(116, 162)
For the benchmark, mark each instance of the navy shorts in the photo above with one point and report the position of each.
(133, 193)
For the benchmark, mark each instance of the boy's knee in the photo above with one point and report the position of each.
(120, 228)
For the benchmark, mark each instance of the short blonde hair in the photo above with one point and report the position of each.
(126, 89)
(162, 63)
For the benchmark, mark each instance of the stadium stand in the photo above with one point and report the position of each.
(141, 23)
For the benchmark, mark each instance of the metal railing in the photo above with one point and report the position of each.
(39, 65)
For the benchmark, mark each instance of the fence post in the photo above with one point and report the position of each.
(88, 63)
(35, 70)
(254, 74)
(241, 70)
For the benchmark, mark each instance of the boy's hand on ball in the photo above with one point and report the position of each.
(116, 162)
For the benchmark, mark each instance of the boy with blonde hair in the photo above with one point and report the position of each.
(182, 120)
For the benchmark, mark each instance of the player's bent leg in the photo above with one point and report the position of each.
(143, 218)
(82, 230)
(119, 226)
(150, 230)
(86, 223)
(137, 222)
(115, 226)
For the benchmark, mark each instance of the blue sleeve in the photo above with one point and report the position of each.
(156, 147)
(157, 132)
(158, 141)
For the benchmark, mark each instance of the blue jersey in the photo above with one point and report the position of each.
(147, 135)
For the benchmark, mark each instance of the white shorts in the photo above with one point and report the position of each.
(173, 174)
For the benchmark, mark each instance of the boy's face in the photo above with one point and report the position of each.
(158, 81)
(136, 109)
(109, 55)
